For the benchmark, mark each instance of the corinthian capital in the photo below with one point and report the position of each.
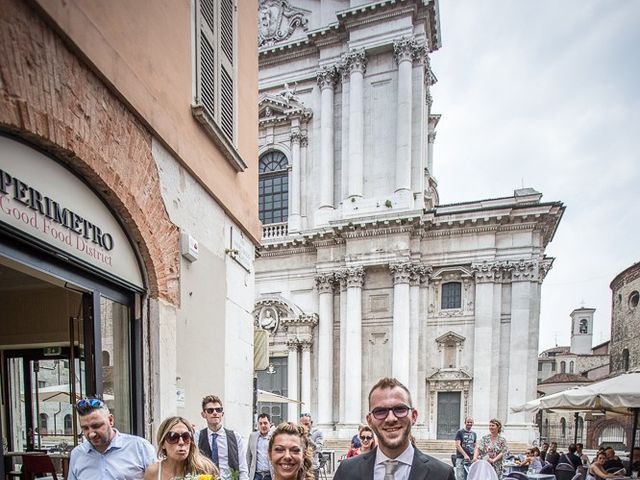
(488, 272)
(401, 272)
(356, 61)
(403, 49)
(420, 273)
(324, 282)
(295, 137)
(327, 77)
(354, 276)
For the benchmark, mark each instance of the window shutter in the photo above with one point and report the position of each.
(208, 57)
(226, 70)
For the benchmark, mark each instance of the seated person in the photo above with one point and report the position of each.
(597, 469)
(612, 460)
(572, 458)
(532, 461)
(552, 456)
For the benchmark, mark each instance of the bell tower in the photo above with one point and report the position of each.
(582, 330)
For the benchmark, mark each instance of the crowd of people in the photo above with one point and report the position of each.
(493, 449)
(383, 448)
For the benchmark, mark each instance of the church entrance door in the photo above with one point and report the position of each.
(448, 415)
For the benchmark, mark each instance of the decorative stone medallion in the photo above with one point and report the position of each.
(277, 20)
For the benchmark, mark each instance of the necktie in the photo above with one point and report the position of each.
(390, 467)
(214, 449)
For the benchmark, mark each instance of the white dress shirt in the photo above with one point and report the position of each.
(405, 460)
(223, 455)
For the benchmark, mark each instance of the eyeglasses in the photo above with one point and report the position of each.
(399, 411)
(305, 415)
(214, 409)
(86, 405)
(174, 437)
(366, 438)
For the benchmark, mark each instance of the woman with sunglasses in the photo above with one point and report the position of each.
(367, 439)
(178, 453)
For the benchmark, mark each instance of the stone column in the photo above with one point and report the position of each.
(294, 188)
(353, 346)
(486, 340)
(326, 81)
(418, 273)
(403, 54)
(357, 65)
(342, 278)
(304, 142)
(324, 284)
(401, 323)
(305, 381)
(292, 379)
(431, 137)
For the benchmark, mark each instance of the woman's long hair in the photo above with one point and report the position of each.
(289, 428)
(195, 462)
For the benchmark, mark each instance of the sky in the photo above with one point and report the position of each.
(546, 94)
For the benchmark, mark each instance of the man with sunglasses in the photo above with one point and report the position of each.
(221, 445)
(107, 453)
(391, 417)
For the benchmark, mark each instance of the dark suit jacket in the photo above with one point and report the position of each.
(423, 467)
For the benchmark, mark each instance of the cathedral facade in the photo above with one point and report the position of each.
(363, 272)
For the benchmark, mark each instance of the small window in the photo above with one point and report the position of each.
(273, 188)
(563, 427)
(625, 359)
(43, 423)
(68, 425)
(571, 366)
(539, 366)
(451, 295)
(106, 359)
(563, 367)
(633, 299)
(553, 367)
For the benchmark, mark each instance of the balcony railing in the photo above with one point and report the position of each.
(275, 231)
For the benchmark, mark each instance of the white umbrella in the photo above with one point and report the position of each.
(533, 406)
(264, 396)
(62, 394)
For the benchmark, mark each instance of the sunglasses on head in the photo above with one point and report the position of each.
(214, 409)
(399, 411)
(86, 405)
(174, 437)
(366, 438)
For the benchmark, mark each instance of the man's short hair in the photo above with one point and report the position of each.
(579, 445)
(264, 415)
(572, 448)
(389, 383)
(210, 399)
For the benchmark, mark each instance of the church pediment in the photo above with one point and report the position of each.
(449, 374)
(281, 108)
(450, 338)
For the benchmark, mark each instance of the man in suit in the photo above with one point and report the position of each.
(391, 417)
(221, 445)
(257, 450)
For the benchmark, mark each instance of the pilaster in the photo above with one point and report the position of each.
(401, 273)
(356, 62)
(324, 285)
(353, 345)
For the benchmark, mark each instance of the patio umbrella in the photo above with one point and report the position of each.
(264, 396)
(533, 406)
(619, 394)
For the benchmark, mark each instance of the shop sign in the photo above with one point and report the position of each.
(44, 200)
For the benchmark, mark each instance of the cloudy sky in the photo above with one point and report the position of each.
(546, 94)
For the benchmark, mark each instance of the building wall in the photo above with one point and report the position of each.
(86, 83)
(625, 319)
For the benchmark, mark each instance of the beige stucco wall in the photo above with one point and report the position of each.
(144, 49)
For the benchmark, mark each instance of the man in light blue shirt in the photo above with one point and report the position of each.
(107, 454)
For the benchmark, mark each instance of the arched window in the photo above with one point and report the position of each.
(451, 295)
(43, 422)
(106, 359)
(625, 359)
(273, 194)
(68, 425)
(580, 428)
(563, 427)
(571, 366)
(563, 367)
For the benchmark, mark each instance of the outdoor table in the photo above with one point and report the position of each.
(541, 476)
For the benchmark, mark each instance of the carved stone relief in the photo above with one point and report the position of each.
(277, 20)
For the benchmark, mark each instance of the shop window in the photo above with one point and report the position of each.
(451, 295)
(273, 188)
(68, 425)
(216, 77)
(563, 367)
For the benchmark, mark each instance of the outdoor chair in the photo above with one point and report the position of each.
(516, 476)
(547, 469)
(564, 471)
(577, 476)
(322, 465)
(35, 466)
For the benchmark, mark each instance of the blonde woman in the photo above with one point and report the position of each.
(178, 453)
(492, 447)
(290, 455)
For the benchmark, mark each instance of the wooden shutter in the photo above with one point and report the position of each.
(227, 68)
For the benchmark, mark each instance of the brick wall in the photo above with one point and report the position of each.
(49, 97)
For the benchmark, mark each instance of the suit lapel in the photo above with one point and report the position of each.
(420, 466)
(368, 463)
